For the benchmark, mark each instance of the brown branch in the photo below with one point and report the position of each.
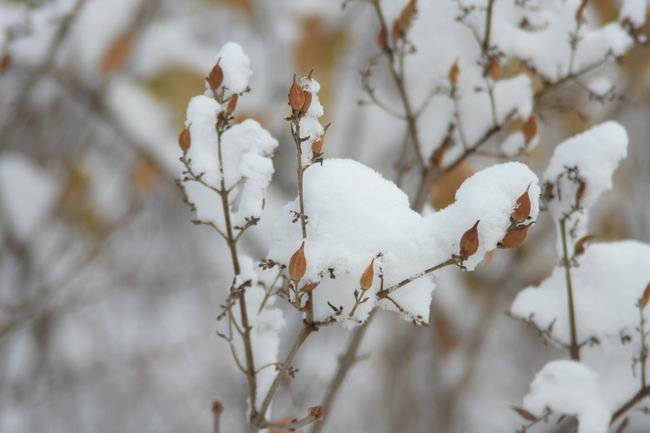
(625, 407)
(398, 78)
(346, 361)
(259, 420)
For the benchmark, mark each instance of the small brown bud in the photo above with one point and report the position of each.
(522, 208)
(438, 155)
(298, 264)
(581, 191)
(215, 77)
(365, 282)
(217, 407)
(528, 416)
(382, 39)
(5, 61)
(514, 237)
(296, 97)
(494, 68)
(581, 244)
(232, 104)
(316, 412)
(317, 146)
(469, 242)
(221, 120)
(529, 129)
(581, 10)
(307, 101)
(185, 139)
(645, 299)
(453, 73)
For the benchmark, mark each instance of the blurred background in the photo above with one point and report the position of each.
(109, 294)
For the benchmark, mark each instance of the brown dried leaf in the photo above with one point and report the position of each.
(118, 53)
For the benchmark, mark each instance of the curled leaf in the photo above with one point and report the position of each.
(522, 207)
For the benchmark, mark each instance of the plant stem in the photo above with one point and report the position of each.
(574, 347)
(232, 246)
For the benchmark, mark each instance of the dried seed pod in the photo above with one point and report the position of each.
(232, 104)
(298, 264)
(645, 299)
(5, 61)
(494, 68)
(581, 10)
(316, 412)
(581, 244)
(382, 39)
(296, 97)
(307, 101)
(453, 73)
(221, 121)
(365, 282)
(469, 242)
(514, 237)
(317, 146)
(522, 207)
(185, 139)
(215, 77)
(309, 287)
(528, 416)
(407, 14)
(529, 129)
(582, 187)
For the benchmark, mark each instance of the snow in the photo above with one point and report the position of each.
(247, 149)
(354, 214)
(634, 11)
(595, 153)
(236, 68)
(571, 388)
(310, 127)
(606, 287)
(27, 194)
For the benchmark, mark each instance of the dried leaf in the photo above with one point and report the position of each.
(529, 129)
(645, 299)
(296, 96)
(453, 73)
(232, 104)
(581, 244)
